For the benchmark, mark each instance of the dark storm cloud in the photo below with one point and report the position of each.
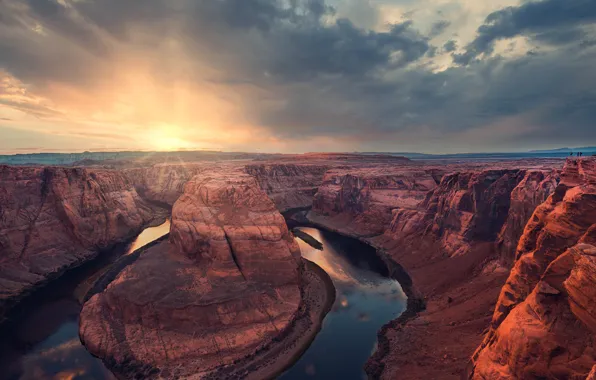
(439, 27)
(61, 20)
(343, 49)
(302, 72)
(450, 46)
(553, 21)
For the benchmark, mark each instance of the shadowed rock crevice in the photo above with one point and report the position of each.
(233, 254)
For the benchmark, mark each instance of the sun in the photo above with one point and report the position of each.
(167, 138)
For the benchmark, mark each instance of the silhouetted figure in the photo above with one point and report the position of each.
(581, 154)
(571, 154)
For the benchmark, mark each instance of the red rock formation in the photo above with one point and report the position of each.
(445, 240)
(361, 201)
(163, 183)
(55, 218)
(229, 220)
(531, 192)
(470, 207)
(226, 284)
(528, 308)
(290, 186)
(551, 333)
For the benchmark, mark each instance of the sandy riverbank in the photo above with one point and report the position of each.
(318, 296)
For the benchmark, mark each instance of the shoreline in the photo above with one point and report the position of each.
(100, 281)
(272, 360)
(416, 302)
(10, 305)
(446, 316)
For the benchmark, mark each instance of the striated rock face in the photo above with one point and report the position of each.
(544, 314)
(447, 238)
(531, 192)
(225, 285)
(365, 201)
(470, 207)
(55, 218)
(229, 220)
(290, 186)
(163, 183)
(551, 333)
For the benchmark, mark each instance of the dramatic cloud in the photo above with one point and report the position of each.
(552, 21)
(298, 75)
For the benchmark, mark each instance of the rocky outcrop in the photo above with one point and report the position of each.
(470, 207)
(55, 218)
(225, 285)
(228, 220)
(543, 324)
(552, 332)
(163, 183)
(364, 201)
(448, 239)
(531, 192)
(290, 186)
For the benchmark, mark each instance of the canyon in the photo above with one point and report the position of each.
(496, 258)
(52, 219)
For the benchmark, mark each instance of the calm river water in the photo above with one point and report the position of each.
(41, 339)
(366, 300)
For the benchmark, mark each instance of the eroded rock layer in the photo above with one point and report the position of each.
(543, 324)
(290, 186)
(470, 207)
(363, 201)
(453, 238)
(551, 333)
(163, 183)
(532, 191)
(54, 218)
(225, 285)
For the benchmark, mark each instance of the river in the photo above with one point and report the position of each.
(366, 300)
(40, 341)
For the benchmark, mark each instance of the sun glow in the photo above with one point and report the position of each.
(168, 138)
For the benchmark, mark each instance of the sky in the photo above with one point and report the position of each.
(434, 76)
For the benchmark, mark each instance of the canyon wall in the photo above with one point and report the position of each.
(452, 233)
(55, 218)
(163, 183)
(544, 321)
(226, 283)
(531, 192)
(362, 201)
(290, 186)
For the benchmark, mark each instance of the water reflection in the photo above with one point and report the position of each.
(41, 339)
(148, 235)
(366, 300)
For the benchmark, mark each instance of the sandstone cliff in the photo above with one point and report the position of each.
(225, 285)
(55, 218)
(551, 333)
(544, 308)
(290, 186)
(163, 183)
(469, 208)
(531, 192)
(451, 236)
(362, 201)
